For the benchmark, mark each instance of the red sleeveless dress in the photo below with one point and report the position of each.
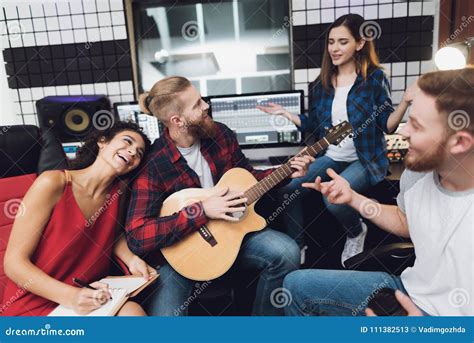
(71, 246)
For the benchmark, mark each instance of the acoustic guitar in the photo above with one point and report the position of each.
(210, 251)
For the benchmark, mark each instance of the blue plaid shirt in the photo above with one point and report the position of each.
(368, 107)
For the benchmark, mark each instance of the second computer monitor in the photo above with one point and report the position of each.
(253, 127)
(130, 111)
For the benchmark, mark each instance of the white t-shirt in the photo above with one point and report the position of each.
(441, 226)
(198, 163)
(345, 151)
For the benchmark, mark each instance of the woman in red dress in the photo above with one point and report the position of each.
(69, 229)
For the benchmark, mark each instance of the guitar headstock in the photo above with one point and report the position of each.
(339, 132)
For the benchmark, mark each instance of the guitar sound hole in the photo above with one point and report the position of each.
(240, 214)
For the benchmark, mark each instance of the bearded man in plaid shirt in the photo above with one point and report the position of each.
(195, 152)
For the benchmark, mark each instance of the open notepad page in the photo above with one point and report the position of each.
(129, 283)
(120, 287)
(108, 309)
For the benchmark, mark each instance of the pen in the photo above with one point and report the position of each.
(81, 283)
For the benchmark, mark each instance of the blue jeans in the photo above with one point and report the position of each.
(334, 292)
(353, 172)
(270, 252)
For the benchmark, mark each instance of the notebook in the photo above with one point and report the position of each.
(121, 288)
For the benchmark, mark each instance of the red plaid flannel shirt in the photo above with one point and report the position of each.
(165, 172)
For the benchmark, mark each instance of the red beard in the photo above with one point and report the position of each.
(427, 161)
(203, 129)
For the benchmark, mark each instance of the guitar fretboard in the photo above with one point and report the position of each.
(263, 186)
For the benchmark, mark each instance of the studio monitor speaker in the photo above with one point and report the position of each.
(73, 117)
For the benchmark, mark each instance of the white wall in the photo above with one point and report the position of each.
(23, 25)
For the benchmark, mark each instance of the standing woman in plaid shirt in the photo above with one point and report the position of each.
(353, 87)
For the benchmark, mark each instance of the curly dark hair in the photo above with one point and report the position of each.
(87, 153)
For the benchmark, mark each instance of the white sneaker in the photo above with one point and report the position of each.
(303, 255)
(354, 245)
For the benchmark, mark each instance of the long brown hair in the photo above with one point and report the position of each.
(366, 59)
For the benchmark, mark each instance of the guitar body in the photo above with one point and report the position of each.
(194, 257)
(210, 251)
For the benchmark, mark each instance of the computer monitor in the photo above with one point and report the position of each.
(70, 149)
(253, 127)
(130, 111)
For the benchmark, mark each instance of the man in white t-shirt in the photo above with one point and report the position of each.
(435, 208)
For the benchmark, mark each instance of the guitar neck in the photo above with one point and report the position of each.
(263, 186)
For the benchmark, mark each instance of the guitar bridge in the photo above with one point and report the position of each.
(207, 235)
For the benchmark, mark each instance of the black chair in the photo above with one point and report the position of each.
(391, 258)
(24, 149)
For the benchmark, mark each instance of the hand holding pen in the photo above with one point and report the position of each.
(90, 297)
